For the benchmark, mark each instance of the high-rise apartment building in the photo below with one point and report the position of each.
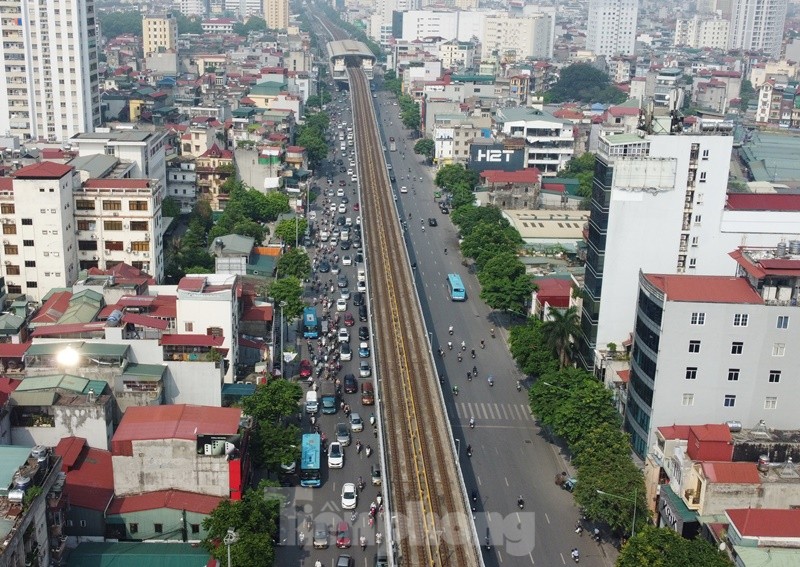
(48, 69)
(160, 34)
(702, 32)
(192, 7)
(757, 25)
(518, 37)
(611, 27)
(276, 14)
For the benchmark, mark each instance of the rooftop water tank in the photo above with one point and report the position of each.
(16, 496)
(114, 318)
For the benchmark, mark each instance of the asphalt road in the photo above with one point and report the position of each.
(510, 456)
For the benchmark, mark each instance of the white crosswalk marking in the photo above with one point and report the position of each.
(493, 412)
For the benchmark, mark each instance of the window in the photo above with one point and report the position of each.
(778, 349)
(730, 401)
(695, 240)
(133, 528)
(188, 327)
(703, 176)
(112, 205)
(137, 205)
(698, 318)
(84, 205)
(688, 400)
(740, 320)
(14, 288)
(12, 270)
(771, 402)
(140, 245)
(30, 263)
(9, 229)
(86, 225)
(112, 225)
(31, 284)
(158, 528)
(737, 347)
(698, 219)
(7, 209)
(138, 225)
(783, 320)
(10, 249)
(114, 245)
(195, 528)
(27, 222)
(87, 244)
(705, 154)
(692, 262)
(774, 376)
(694, 346)
(733, 374)
(27, 242)
(83, 523)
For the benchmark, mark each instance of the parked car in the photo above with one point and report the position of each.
(343, 335)
(432, 221)
(343, 434)
(363, 349)
(345, 352)
(363, 333)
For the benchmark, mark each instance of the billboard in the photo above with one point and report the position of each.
(218, 445)
(495, 156)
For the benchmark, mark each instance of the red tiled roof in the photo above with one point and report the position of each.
(165, 307)
(624, 375)
(191, 340)
(6, 184)
(216, 152)
(554, 187)
(52, 153)
(122, 271)
(172, 422)
(731, 473)
(90, 475)
(191, 284)
(115, 183)
(766, 522)
(13, 350)
(760, 268)
(172, 499)
(43, 170)
(54, 308)
(705, 289)
(258, 313)
(554, 288)
(68, 329)
(7, 385)
(145, 321)
(762, 202)
(136, 300)
(530, 175)
(623, 111)
(675, 432)
(712, 432)
(295, 149)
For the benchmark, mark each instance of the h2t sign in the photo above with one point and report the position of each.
(484, 157)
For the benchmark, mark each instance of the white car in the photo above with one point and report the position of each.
(356, 423)
(312, 215)
(335, 456)
(404, 189)
(347, 260)
(389, 167)
(349, 172)
(340, 192)
(349, 496)
(361, 286)
(333, 207)
(342, 208)
(354, 179)
(344, 293)
(344, 335)
(345, 352)
(341, 305)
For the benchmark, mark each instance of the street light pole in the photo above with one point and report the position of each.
(230, 538)
(635, 493)
(282, 305)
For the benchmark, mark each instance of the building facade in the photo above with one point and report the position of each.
(517, 38)
(611, 27)
(159, 34)
(700, 32)
(757, 25)
(549, 141)
(49, 84)
(276, 14)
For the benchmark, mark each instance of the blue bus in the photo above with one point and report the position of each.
(455, 288)
(310, 323)
(310, 459)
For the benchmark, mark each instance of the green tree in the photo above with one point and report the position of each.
(583, 82)
(561, 328)
(288, 290)
(275, 204)
(425, 147)
(315, 145)
(452, 175)
(295, 263)
(394, 86)
(255, 520)
(582, 169)
(504, 283)
(528, 346)
(466, 218)
(291, 230)
(461, 196)
(487, 241)
(276, 444)
(170, 207)
(314, 101)
(191, 25)
(115, 23)
(664, 547)
(746, 94)
(274, 401)
(389, 75)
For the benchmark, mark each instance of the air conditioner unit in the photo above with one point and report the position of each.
(115, 214)
(8, 262)
(5, 241)
(127, 250)
(94, 237)
(95, 258)
(135, 253)
(108, 252)
(147, 236)
(146, 254)
(125, 226)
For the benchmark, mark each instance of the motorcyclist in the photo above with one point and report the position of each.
(520, 501)
(469, 450)
(491, 381)
(450, 329)
(519, 385)
(450, 345)
(463, 345)
(445, 251)
(575, 554)
(472, 422)
(455, 390)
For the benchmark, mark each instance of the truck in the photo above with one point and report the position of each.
(328, 397)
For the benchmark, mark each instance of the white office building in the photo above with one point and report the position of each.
(660, 205)
(611, 27)
(519, 38)
(757, 25)
(49, 86)
(700, 32)
(716, 349)
(549, 141)
(191, 7)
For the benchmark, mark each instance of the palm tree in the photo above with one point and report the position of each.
(560, 330)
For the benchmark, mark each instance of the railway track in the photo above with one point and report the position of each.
(434, 526)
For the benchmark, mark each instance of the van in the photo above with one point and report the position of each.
(348, 221)
(367, 393)
(324, 327)
(312, 402)
(362, 274)
(382, 557)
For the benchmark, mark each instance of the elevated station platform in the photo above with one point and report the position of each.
(349, 53)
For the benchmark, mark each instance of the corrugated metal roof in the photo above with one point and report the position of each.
(144, 372)
(131, 554)
(39, 398)
(63, 381)
(173, 499)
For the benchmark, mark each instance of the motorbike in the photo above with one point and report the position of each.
(368, 450)
(473, 354)
(472, 423)
(519, 386)
(455, 390)
(491, 381)
(576, 557)
(469, 451)
(520, 503)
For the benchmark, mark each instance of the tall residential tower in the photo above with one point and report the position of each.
(611, 28)
(757, 25)
(48, 69)
(276, 14)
